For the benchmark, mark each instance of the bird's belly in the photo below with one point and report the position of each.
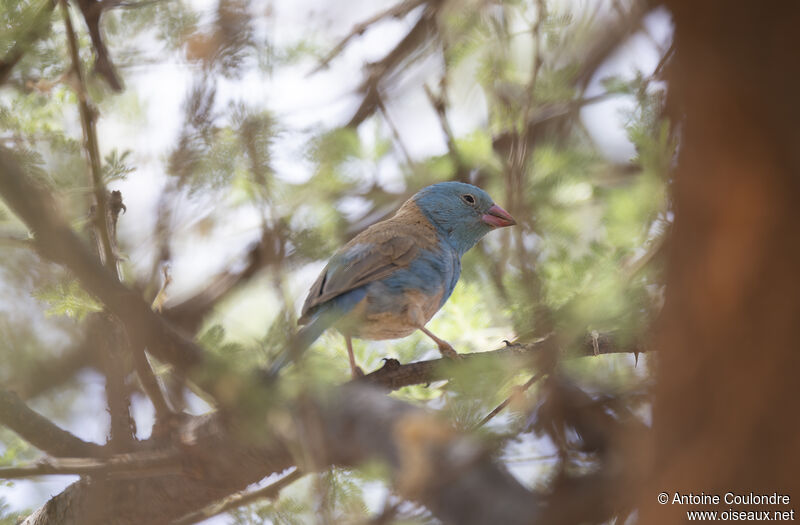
(376, 328)
(392, 317)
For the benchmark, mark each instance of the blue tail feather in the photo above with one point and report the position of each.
(324, 316)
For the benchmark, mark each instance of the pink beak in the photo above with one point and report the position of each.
(497, 217)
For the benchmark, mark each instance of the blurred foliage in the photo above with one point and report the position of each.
(67, 299)
(584, 219)
(10, 518)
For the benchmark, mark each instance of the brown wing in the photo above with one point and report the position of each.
(373, 254)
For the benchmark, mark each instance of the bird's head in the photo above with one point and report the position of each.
(461, 212)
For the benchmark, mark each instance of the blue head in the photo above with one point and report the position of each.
(462, 213)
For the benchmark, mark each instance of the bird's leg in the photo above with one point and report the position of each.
(445, 348)
(354, 369)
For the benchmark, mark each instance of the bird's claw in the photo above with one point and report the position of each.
(357, 373)
(449, 352)
(390, 363)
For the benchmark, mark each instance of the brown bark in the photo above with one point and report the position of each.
(725, 414)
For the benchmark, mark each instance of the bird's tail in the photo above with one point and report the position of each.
(320, 321)
(314, 328)
(322, 318)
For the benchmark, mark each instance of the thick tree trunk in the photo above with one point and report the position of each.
(726, 410)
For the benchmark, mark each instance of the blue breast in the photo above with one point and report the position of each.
(432, 272)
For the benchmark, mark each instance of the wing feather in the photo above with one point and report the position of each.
(375, 253)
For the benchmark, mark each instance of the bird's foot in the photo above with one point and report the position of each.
(390, 363)
(449, 352)
(356, 372)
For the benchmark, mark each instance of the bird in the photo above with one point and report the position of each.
(391, 278)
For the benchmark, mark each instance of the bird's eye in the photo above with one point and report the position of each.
(469, 199)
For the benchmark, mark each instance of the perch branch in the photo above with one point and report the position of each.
(394, 375)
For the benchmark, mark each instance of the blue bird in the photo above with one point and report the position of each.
(390, 279)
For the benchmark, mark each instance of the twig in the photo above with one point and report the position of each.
(141, 364)
(271, 491)
(519, 169)
(541, 14)
(395, 132)
(144, 370)
(407, 48)
(141, 3)
(396, 11)
(517, 391)
(152, 387)
(119, 466)
(40, 431)
(608, 38)
(655, 250)
(664, 61)
(550, 112)
(88, 121)
(115, 207)
(161, 296)
(439, 107)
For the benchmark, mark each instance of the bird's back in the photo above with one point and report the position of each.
(374, 254)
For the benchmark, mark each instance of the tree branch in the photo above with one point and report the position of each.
(439, 104)
(40, 431)
(92, 12)
(409, 46)
(451, 474)
(115, 467)
(88, 120)
(394, 375)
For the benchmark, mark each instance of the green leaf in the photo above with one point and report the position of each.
(67, 298)
(116, 166)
